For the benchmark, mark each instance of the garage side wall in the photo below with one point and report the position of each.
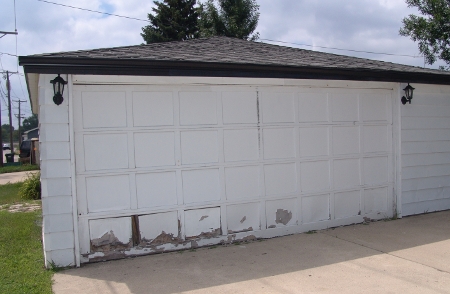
(58, 225)
(425, 136)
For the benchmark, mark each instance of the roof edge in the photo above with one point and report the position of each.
(138, 67)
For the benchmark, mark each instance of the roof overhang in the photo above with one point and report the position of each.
(32, 80)
(139, 67)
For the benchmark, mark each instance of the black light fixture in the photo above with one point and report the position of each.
(408, 93)
(58, 89)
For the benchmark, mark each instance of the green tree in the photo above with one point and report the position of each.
(431, 30)
(5, 133)
(30, 123)
(232, 18)
(174, 20)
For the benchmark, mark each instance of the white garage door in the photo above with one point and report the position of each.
(161, 168)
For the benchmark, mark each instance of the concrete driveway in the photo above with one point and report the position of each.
(410, 255)
(15, 177)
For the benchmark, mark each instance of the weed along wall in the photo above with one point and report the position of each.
(180, 163)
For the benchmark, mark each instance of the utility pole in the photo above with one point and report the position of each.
(8, 86)
(1, 140)
(19, 117)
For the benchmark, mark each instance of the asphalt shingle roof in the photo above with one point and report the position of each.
(226, 51)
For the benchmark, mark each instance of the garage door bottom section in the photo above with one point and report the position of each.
(121, 237)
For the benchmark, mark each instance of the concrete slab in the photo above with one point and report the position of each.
(15, 177)
(408, 255)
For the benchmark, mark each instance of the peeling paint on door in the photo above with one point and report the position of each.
(283, 216)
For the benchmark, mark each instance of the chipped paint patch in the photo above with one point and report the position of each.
(203, 217)
(243, 219)
(283, 216)
(109, 242)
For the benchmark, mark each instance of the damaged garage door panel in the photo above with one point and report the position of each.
(160, 228)
(243, 217)
(110, 234)
(202, 223)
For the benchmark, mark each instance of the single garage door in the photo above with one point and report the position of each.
(169, 167)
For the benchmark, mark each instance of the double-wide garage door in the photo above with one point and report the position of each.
(167, 167)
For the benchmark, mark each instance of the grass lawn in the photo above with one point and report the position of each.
(21, 256)
(18, 168)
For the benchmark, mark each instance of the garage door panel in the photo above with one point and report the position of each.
(278, 107)
(154, 149)
(239, 107)
(105, 151)
(243, 217)
(313, 107)
(163, 226)
(314, 142)
(345, 140)
(347, 204)
(110, 233)
(198, 108)
(241, 145)
(202, 223)
(315, 208)
(202, 185)
(281, 213)
(153, 109)
(280, 179)
(156, 189)
(346, 173)
(199, 147)
(375, 139)
(242, 182)
(94, 110)
(375, 200)
(106, 193)
(374, 107)
(279, 143)
(375, 170)
(344, 107)
(315, 176)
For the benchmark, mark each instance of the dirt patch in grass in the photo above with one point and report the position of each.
(21, 207)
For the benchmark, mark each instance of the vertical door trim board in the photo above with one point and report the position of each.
(73, 172)
(397, 140)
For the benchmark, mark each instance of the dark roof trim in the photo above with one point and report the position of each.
(139, 67)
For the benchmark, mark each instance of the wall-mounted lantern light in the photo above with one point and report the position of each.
(408, 94)
(58, 89)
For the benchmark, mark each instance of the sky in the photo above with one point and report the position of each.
(354, 25)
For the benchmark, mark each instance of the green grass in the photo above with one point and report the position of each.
(18, 168)
(21, 256)
(9, 193)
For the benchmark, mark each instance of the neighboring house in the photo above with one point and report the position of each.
(30, 134)
(182, 144)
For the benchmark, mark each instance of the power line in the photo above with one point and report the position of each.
(1, 53)
(95, 11)
(341, 49)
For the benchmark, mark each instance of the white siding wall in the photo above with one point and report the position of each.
(425, 141)
(58, 225)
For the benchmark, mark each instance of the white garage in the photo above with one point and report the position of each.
(177, 149)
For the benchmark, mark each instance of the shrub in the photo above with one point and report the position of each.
(31, 188)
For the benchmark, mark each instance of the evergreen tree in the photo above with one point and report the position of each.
(233, 18)
(432, 30)
(174, 20)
